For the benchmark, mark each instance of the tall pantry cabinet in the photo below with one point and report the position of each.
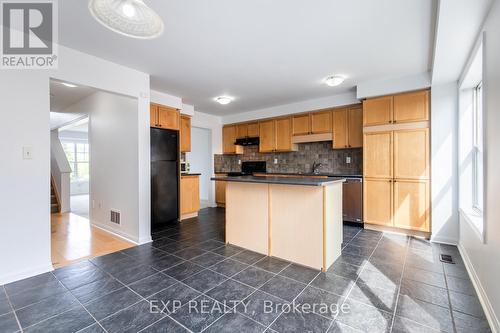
(396, 161)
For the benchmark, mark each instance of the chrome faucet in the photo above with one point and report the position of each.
(316, 166)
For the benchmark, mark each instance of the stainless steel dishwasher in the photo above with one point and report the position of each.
(352, 200)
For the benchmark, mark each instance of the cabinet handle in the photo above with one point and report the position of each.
(394, 121)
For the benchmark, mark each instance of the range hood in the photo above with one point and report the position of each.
(247, 142)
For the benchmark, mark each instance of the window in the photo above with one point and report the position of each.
(477, 150)
(78, 158)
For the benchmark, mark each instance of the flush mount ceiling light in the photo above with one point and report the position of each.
(131, 18)
(71, 85)
(334, 80)
(223, 100)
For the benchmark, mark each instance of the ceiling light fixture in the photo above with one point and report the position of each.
(132, 18)
(223, 100)
(70, 85)
(334, 80)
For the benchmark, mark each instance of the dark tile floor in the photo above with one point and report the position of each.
(188, 280)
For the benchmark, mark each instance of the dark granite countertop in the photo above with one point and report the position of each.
(342, 175)
(190, 174)
(281, 180)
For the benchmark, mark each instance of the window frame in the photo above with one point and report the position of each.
(477, 149)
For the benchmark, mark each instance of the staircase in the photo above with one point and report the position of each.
(54, 202)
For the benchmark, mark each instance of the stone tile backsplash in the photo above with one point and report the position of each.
(301, 161)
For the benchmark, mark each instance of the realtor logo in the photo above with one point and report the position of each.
(29, 34)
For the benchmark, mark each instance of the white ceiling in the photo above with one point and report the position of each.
(61, 97)
(264, 53)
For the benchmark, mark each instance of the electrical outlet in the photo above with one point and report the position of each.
(275, 161)
(348, 160)
(27, 153)
(239, 162)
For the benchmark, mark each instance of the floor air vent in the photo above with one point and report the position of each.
(115, 216)
(446, 258)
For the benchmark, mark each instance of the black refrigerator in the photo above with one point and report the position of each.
(164, 177)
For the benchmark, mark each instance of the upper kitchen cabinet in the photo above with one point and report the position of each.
(377, 111)
(410, 107)
(164, 117)
(321, 122)
(248, 130)
(355, 127)
(253, 130)
(276, 135)
(267, 134)
(228, 139)
(400, 108)
(153, 115)
(312, 123)
(284, 134)
(340, 129)
(347, 127)
(185, 134)
(301, 124)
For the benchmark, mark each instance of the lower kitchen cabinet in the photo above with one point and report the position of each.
(377, 201)
(220, 192)
(190, 196)
(411, 204)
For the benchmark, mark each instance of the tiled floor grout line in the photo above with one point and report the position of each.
(255, 290)
(13, 310)
(90, 314)
(449, 297)
(399, 286)
(357, 277)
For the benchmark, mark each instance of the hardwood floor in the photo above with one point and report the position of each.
(74, 239)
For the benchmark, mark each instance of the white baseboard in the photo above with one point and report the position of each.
(117, 233)
(483, 297)
(12, 277)
(444, 240)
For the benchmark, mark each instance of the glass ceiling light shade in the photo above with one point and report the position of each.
(131, 18)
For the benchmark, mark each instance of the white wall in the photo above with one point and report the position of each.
(387, 86)
(484, 257)
(444, 190)
(114, 162)
(201, 160)
(24, 112)
(280, 110)
(166, 99)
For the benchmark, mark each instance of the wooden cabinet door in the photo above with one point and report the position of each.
(377, 201)
(185, 134)
(267, 134)
(339, 128)
(301, 124)
(411, 204)
(411, 107)
(253, 130)
(355, 127)
(411, 154)
(377, 111)
(321, 122)
(190, 194)
(168, 118)
(241, 131)
(228, 138)
(284, 134)
(220, 192)
(377, 155)
(153, 115)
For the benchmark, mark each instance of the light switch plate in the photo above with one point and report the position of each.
(275, 161)
(27, 152)
(348, 160)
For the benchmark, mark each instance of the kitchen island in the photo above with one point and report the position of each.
(296, 219)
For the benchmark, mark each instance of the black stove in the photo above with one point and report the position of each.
(249, 168)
